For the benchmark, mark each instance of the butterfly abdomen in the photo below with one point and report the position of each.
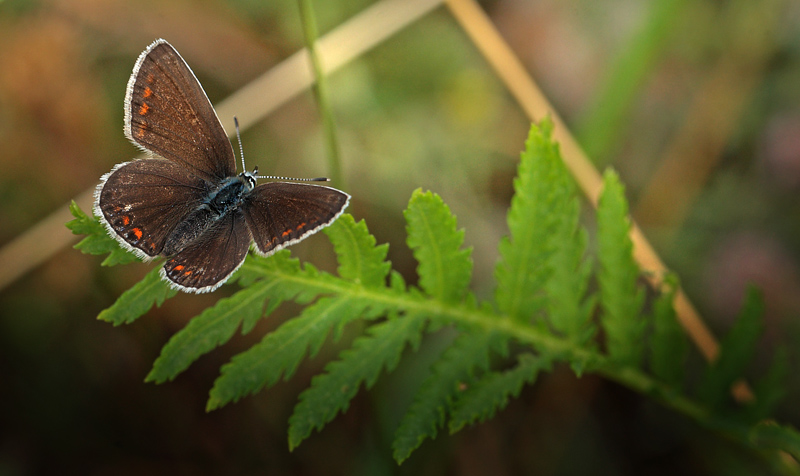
(189, 230)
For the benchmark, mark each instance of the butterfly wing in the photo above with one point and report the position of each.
(168, 113)
(280, 214)
(142, 201)
(210, 260)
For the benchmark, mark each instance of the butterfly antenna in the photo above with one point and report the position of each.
(239, 137)
(273, 177)
(294, 179)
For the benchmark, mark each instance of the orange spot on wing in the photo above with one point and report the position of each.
(179, 267)
(143, 110)
(137, 232)
(286, 233)
(302, 225)
(150, 78)
(126, 220)
(147, 92)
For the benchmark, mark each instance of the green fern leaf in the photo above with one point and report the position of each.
(568, 310)
(620, 296)
(212, 328)
(769, 435)
(289, 280)
(396, 282)
(669, 346)
(360, 261)
(331, 392)
(82, 224)
(280, 264)
(771, 388)
(97, 241)
(137, 300)
(281, 351)
(470, 351)
(444, 268)
(491, 393)
(541, 189)
(736, 350)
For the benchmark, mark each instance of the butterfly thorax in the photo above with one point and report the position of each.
(228, 195)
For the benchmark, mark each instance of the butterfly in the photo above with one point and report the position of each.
(185, 201)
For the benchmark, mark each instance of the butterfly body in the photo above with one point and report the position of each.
(187, 202)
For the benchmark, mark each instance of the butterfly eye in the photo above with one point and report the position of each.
(250, 181)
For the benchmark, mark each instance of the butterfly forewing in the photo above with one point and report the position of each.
(143, 200)
(280, 214)
(168, 113)
(208, 262)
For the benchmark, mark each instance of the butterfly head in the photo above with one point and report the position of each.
(249, 179)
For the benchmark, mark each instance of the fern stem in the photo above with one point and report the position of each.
(486, 321)
(605, 119)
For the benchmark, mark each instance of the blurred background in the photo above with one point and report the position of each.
(695, 103)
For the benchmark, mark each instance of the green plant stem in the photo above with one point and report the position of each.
(488, 321)
(604, 121)
(485, 320)
(309, 23)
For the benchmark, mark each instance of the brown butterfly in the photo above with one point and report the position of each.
(187, 202)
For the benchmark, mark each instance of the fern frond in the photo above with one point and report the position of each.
(541, 305)
(736, 350)
(541, 190)
(214, 327)
(136, 301)
(668, 345)
(444, 268)
(331, 392)
(620, 297)
(286, 277)
(568, 309)
(97, 241)
(468, 353)
(770, 389)
(281, 351)
(770, 435)
(360, 260)
(491, 393)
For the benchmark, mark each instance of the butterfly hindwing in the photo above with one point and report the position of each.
(142, 201)
(208, 261)
(168, 113)
(280, 214)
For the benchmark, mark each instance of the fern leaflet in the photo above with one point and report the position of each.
(444, 268)
(491, 393)
(620, 297)
(332, 391)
